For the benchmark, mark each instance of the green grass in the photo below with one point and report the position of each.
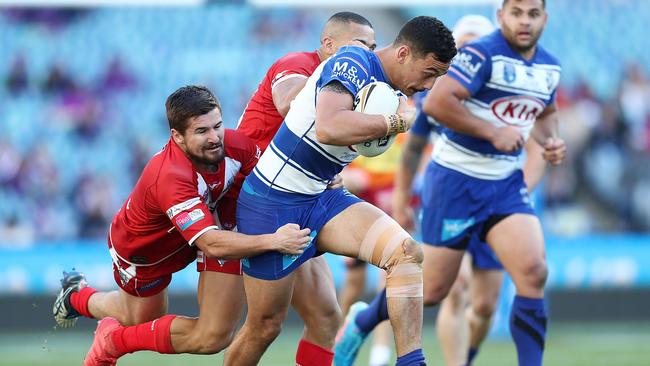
(567, 345)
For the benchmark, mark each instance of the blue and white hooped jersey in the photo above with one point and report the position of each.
(506, 90)
(295, 162)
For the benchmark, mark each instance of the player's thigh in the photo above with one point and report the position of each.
(268, 300)
(460, 287)
(221, 301)
(345, 232)
(440, 268)
(314, 294)
(142, 309)
(485, 289)
(518, 242)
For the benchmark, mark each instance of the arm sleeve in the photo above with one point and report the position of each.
(471, 67)
(349, 67)
(179, 197)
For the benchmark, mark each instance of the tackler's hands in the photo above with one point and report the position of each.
(290, 239)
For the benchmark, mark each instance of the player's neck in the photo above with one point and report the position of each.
(384, 56)
(527, 54)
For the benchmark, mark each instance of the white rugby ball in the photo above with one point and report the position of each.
(376, 98)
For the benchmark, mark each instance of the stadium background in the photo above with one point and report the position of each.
(82, 109)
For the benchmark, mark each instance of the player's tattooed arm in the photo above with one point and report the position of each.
(336, 87)
(335, 114)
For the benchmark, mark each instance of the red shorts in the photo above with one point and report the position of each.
(205, 263)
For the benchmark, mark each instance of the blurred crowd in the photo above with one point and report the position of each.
(603, 186)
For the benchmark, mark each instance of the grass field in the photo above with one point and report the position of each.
(568, 345)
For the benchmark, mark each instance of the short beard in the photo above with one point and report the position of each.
(210, 163)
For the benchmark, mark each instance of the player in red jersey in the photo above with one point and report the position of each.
(157, 232)
(314, 296)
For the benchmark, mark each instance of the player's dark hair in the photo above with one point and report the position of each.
(349, 17)
(425, 35)
(506, 1)
(187, 102)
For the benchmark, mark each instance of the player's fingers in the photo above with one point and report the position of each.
(304, 232)
(292, 226)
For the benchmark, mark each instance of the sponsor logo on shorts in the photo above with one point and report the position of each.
(186, 219)
(452, 228)
(149, 285)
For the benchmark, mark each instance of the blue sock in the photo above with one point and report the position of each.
(471, 354)
(528, 329)
(375, 313)
(413, 358)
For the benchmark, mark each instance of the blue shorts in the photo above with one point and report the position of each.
(483, 257)
(456, 206)
(257, 214)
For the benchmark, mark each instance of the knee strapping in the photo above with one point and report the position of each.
(391, 248)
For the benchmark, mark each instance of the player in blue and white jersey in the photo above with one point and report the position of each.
(499, 91)
(289, 183)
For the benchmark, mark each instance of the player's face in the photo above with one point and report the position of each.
(203, 139)
(419, 73)
(358, 35)
(522, 23)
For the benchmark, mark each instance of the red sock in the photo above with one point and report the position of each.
(310, 354)
(79, 300)
(151, 336)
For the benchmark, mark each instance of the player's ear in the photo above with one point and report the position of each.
(177, 136)
(403, 53)
(328, 45)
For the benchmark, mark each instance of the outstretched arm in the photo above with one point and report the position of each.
(224, 244)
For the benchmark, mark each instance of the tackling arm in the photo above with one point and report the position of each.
(285, 92)
(224, 244)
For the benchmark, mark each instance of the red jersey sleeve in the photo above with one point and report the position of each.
(178, 195)
(291, 66)
(242, 149)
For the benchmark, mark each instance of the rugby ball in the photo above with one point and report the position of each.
(375, 98)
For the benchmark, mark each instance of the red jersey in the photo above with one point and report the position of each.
(261, 120)
(172, 204)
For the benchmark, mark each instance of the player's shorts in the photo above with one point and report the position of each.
(263, 215)
(455, 206)
(205, 263)
(226, 210)
(145, 281)
(483, 257)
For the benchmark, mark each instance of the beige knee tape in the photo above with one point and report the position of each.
(383, 247)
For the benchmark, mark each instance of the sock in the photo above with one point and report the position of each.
(151, 336)
(79, 301)
(379, 355)
(310, 354)
(413, 358)
(528, 329)
(471, 354)
(374, 314)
